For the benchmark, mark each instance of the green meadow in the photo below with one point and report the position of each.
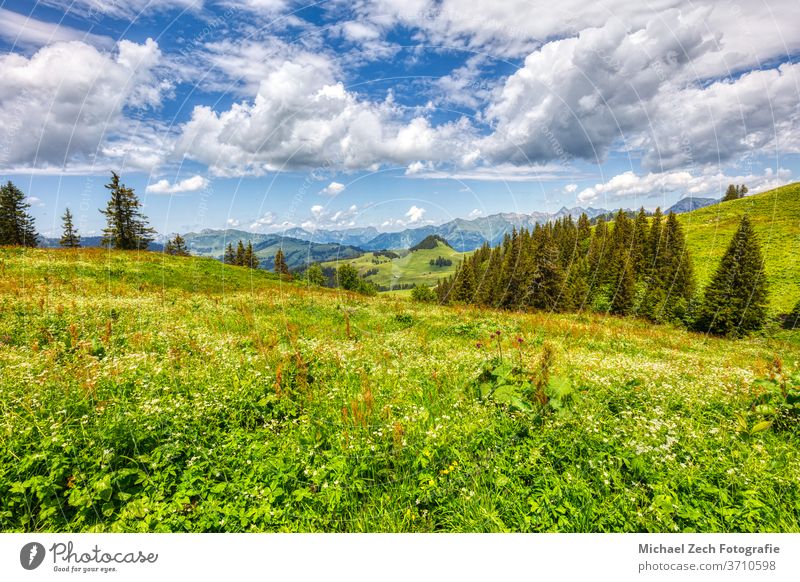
(144, 392)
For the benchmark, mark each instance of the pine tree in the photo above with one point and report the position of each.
(16, 225)
(640, 251)
(584, 234)
(732, 193)
(239, 261)
(177, 247)
(547, 279)
(126, 226)
(792, 319)
(675, 275)
(70, 237)
(464, 288)
(250, 258)
(735, 301)
(624, 290)
(280, 264)
(315, 276)
(230, 256)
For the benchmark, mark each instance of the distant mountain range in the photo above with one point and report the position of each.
(690, 203)
(302, 247)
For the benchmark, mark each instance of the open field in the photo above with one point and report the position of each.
(776, 218)
(411, 268)
(143, 392)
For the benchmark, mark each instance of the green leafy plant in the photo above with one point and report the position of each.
(778, 401)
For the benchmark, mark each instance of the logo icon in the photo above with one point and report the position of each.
(31, 555)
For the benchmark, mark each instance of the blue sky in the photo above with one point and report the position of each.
(270, 114)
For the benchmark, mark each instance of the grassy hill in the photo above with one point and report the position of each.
(776, 217)
(410, 268)
(142, 392)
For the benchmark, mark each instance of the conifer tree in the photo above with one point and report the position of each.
(654, 239)
(675, 274)
(177, 247)
(240, 255)
(624, 290)
(126, 226)
(584, 234)
(640, 251)
(792, 320)
(70, 237)
(464, 287)
(250, 259)
(735, 192)
(230, 255)
(547, 278)
(735, 301)
(280, 264)
(16, 225)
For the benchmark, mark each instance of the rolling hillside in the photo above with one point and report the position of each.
(411, 268)
(148, 393)
(299, 253)
(776, 217)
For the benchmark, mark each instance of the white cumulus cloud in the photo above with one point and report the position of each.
(192, 184)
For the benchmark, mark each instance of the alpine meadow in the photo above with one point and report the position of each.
(277, 268)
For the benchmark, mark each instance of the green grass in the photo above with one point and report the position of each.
(776, 218)
(141, 392)
(411, 268)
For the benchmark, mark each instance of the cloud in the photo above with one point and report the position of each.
(475, 213)
(233, 223)
(267, 220)
(332, 189)
(415, 214)
(303, 118)
(654, 185)
(192, 184)
(326, 218)
(127, 9)
(494, 173)
(66, 103)
(27, 31)
(615, 88)
(34, 201)
(571, 188)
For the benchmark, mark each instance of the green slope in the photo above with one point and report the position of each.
(409, 269)
(776, 217)
(147, 393)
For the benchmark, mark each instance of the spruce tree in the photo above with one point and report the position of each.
(230, 256)
(624, 290)
(251, 260)
(735, 301)
(239, 261)
(674, 274)
(640, 251)
(732, 193)
(792, 319)
(584, 234)
(70, 237)
(282, 268)
(547, 279)
(177, 247)
(16, 225)
(126, 226)
(464, 288)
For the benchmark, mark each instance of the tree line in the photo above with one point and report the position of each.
(631, 266)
